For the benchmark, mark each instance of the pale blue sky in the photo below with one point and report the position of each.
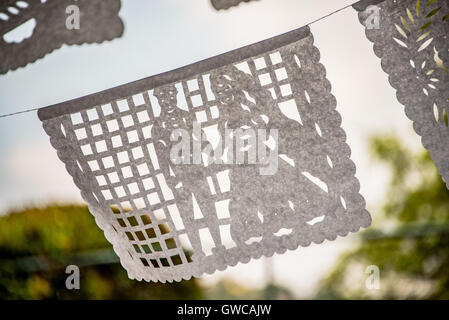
(161, 35)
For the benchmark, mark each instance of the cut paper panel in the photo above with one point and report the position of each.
(412, 41)
(213, 207)
(30, 29)
(226, 4)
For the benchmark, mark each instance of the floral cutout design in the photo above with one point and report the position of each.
(412, 41)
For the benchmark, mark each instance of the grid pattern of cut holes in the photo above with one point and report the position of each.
(272, 75)
(116, 146)
(202, 102)
(115, 150)
(115, 141)
(271, 72)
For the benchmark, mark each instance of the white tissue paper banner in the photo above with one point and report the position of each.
(31, 29)
(411, 38)
(263, 167)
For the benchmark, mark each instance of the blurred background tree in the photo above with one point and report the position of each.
(37, 244)
(408, 242)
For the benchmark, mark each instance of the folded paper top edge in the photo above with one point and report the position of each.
(158, 80)
(363, 4)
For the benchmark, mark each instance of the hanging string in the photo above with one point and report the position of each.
(308, 24)
(18, 112)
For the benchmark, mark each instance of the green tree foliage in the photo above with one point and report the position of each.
(37, 244)
(409, 241)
